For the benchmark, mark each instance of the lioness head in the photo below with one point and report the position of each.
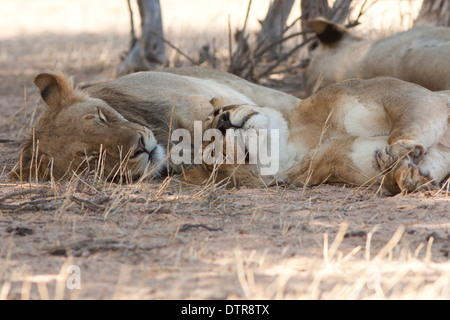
(77, 132)
(329, 60)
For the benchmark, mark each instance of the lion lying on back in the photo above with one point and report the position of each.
(420, 55)
(355, 132)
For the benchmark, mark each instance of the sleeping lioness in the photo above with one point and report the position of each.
(355, 132)
(420, 55)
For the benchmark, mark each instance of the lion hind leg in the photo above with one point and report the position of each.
(409, 166)
(418, 122)
(403, 149)
(408, 177)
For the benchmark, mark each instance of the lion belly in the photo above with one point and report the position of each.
(340, 147)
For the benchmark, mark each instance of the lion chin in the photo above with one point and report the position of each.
(153, 164)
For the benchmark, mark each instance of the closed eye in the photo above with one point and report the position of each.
(84, 154)
(101, 116)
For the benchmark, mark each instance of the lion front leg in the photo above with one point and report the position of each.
(255, 139)
(251, 125)
(243, 117)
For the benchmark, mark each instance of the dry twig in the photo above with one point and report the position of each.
(91, 246)
(186, 227)
(26, 205)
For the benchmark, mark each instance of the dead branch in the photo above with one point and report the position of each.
(90, 246)
(24, 193)
(6, 141)
(20, 231)
(283, 58)
(174, 47)
(132, 32)
(247, 58)
(26, 205)
(186, 227)
(94, 205)
(242, 48)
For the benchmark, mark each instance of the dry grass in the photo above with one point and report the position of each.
(163, 239)
(176, 241)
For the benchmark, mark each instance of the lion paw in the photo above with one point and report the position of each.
(388, 156)
(242, 117)
(408, 177)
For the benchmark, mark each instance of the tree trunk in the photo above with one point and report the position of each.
(246, 57)
(312, 9)
(148, 53)
(434, 13)
(273, 26)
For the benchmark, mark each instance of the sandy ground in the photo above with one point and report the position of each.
(165, 240)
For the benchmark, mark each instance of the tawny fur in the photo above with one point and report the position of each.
(356, 132)
(420, 55)
(72, 136)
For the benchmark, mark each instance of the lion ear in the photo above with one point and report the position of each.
(55, 88)
(328, 32)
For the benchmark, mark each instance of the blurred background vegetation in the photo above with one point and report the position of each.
(261, 40)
